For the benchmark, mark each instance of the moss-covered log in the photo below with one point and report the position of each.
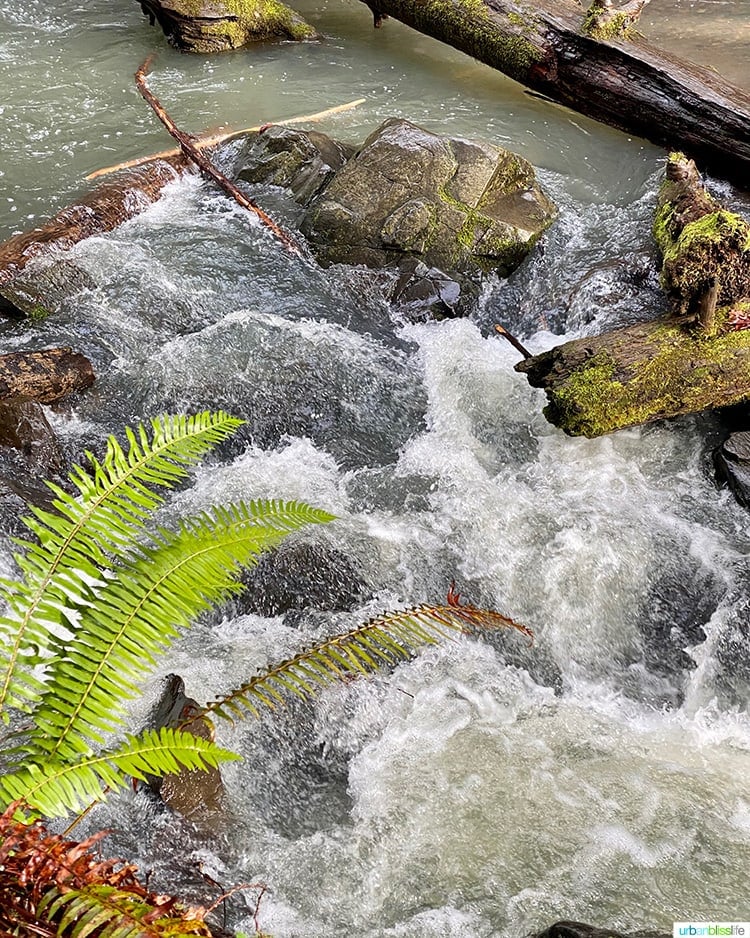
(612, 75)
(705, 250)
(640, 374)
(695, 359)
(209, 26)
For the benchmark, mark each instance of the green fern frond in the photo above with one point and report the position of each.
(383, 641)
(54, 789)
(119, 913)
(84, 532)
(137, 614)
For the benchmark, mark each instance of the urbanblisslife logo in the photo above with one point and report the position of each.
(711, 930)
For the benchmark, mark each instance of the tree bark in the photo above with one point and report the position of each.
(45, 376)
(626, 83)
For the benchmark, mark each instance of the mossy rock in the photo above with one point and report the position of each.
(208, 26)
(455, 204)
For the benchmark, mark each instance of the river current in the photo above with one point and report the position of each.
(484, 789)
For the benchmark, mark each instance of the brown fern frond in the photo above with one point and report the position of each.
(383, 641)
(50, 886)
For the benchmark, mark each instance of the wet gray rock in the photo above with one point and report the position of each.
(732, 462)
(29, 454)
(458, 205)
(301, 575)
(581, 930)
(423, 292)
(298, 160)
(42, 288)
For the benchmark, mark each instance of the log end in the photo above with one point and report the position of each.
(675, 371)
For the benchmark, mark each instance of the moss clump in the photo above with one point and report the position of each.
(684, 373)
(235, 23)
(714, 245)
(600, 23)
(446, 19)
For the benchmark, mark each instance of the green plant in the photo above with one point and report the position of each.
(101, 595)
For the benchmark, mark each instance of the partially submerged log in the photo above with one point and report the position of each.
(102, 209)
(639, 374)
(695, 359)
(623, 81)
(46, 375)
(210, 26)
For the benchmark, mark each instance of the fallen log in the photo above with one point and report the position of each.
(45, 376)
(619, 79)
(694, 359)
(102, 209)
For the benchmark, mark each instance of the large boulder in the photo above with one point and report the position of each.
(457, 205)
(218, 25)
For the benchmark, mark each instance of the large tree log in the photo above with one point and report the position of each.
(45, 376)
(626, 83)
(696, 358)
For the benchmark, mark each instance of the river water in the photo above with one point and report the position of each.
(483, 789)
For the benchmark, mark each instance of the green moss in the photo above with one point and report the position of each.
(616, 26)
(38, 312)
(445, 19)
(247, 21)
(682, 376)
(693, 257)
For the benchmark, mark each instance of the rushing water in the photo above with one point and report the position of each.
(484, 789)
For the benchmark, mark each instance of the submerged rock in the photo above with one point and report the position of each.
(301, 575)
(298, 160)
(581, 930)
(455, 204)
(194, 793)
(24, 428)
(423, 292)
(732, 462)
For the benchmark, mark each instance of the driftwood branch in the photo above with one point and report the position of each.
(211, 140)
(192, 152)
